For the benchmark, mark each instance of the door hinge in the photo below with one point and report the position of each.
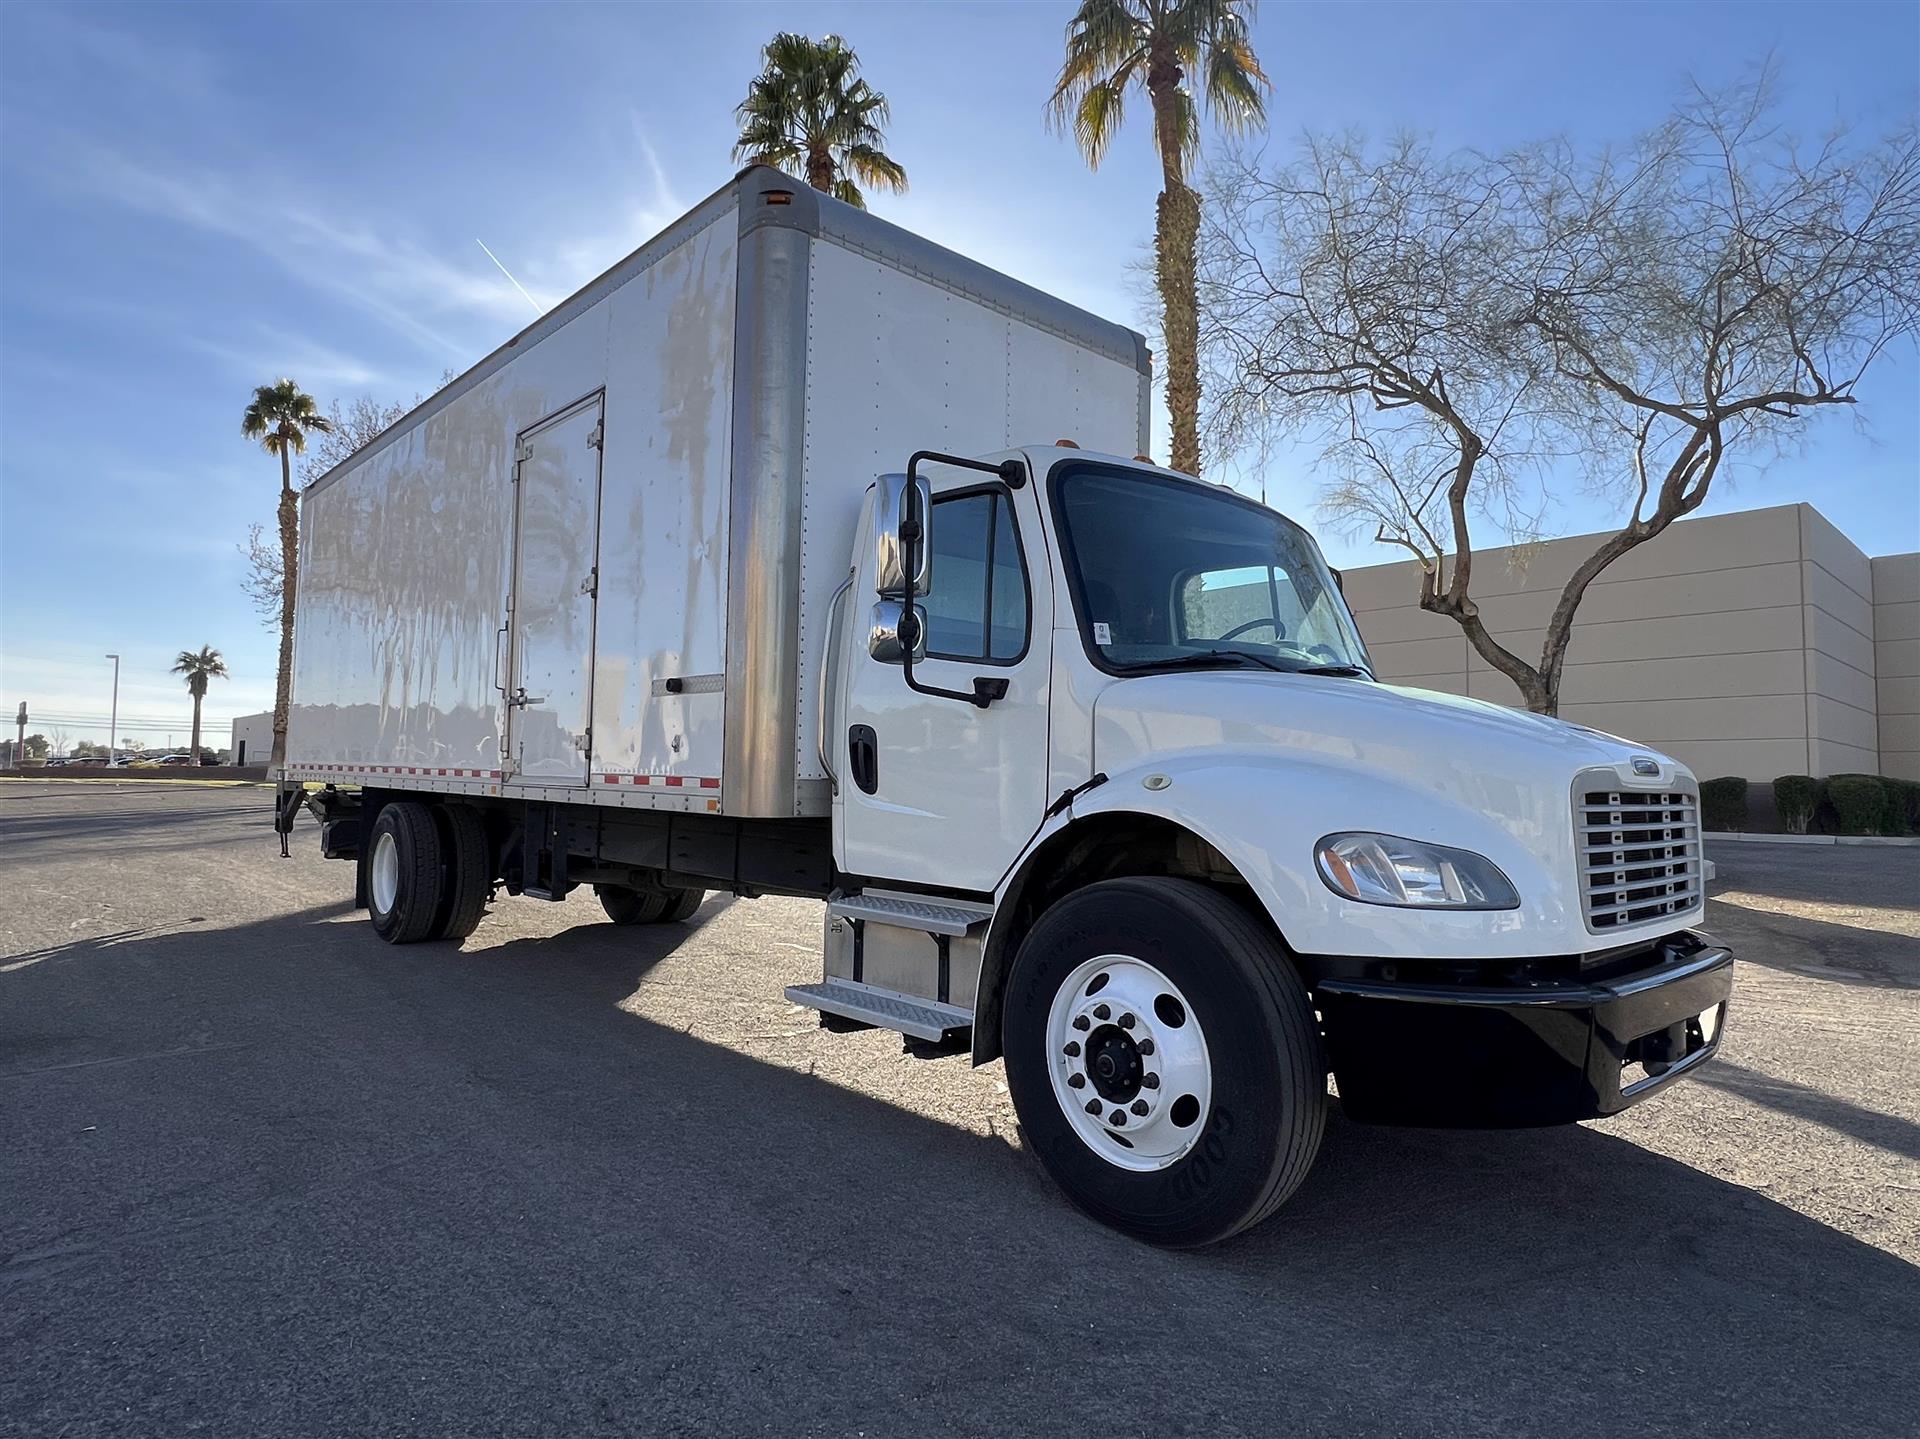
(596, 434)
(584, 740)
(591, 584)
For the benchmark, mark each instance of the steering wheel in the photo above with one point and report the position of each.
(1279, 630)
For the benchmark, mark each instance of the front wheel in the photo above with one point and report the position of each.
(1164, 1060)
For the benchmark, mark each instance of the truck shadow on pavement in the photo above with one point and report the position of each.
(282, 1178)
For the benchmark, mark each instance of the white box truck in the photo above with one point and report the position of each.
(768, 564)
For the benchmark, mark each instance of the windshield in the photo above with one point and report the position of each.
(1170, 572)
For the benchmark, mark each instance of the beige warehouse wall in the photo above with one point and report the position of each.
(1896, 643)
(1744, 644)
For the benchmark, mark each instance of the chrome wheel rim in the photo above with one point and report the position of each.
(386, 873)
(1129, 1063)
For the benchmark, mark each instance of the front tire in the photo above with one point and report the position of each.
(1164, 1060)
(406, 877)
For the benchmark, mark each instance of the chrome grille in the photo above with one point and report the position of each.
(1638, 852)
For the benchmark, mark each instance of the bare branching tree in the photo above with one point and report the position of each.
(1470, 334)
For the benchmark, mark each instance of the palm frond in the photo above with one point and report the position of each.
(809, 104)
(1236, 86)
(1107, 42)
(874, 167)
(1097, 119)
(848, 192)
(281, 415)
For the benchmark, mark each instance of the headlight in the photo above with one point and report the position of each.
(1385, 869)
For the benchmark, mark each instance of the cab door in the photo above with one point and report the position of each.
(932, 790)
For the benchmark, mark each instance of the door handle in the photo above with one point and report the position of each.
(863, 757)
(520, 699)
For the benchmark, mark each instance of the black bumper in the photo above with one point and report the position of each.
(1476, 1057)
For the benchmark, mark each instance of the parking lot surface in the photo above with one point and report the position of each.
(263, 1175)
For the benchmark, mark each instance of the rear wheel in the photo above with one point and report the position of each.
(469, 871)
(652, 903)
(406, 881)
(631, 906)
(1164, 1060)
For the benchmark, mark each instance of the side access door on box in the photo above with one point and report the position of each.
(548, 684)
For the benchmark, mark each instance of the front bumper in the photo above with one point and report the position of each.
(1459, 1056)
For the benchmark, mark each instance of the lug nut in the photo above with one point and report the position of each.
(1139, 1106)
(1076, 1081)
(1101, 1012)
(1073, 1049)
(1081, 1023)
(1146, 1046)
(1126, 1021)
(1093, 1106)
(1150, 1081)
(1118, 1119)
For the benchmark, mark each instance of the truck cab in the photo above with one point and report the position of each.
(1117, 795)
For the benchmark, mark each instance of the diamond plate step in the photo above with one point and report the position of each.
(930, 916)
(919, 1018)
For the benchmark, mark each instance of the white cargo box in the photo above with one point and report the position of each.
(595, 568)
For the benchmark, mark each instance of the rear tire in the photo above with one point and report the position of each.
(469, 871)
(406, 880)
(681, 904)
(631, 906)
(648, 904)
(1205, 993)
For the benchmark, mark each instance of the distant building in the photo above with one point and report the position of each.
(1760, 643)
(252, 739)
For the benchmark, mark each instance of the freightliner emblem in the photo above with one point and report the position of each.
(1644, 766)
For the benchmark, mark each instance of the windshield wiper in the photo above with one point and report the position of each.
(1342, 671)
(1208, 658)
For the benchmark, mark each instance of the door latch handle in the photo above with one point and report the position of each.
(520, 699)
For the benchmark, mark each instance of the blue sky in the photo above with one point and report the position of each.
(196, 199)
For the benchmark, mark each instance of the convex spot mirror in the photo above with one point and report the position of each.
(886, 640)
(902, 514)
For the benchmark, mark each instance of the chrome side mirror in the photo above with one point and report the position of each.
(886, 643)
(902, 509)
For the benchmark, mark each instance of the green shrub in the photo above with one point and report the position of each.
(1903, 805)
(1859, 803)
(1723, 803)
(1795, 798)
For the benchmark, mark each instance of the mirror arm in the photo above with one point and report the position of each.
(1011, 473)
(985, 691)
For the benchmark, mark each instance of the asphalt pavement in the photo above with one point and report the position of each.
(261, 1174)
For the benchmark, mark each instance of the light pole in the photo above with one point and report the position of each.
(113, 715)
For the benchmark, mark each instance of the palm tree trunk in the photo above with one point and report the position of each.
(1176, 229)
(820, 170)
(289, 575)
(193, 753)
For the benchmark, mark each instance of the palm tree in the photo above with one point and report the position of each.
(809, 113)
(281, 417)
(199, 668)
(1113, 45)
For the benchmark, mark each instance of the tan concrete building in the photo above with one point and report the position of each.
(1759, 644)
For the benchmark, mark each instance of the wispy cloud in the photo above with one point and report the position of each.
(387, 272)
(652, 204)
(271, 353)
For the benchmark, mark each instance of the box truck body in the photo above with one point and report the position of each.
(797, 555)
(595, 566)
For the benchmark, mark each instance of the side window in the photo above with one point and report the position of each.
(977, 608)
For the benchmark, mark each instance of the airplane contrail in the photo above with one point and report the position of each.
(509, 274)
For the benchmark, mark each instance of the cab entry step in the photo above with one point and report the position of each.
(949, 917)
(882, 1008)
